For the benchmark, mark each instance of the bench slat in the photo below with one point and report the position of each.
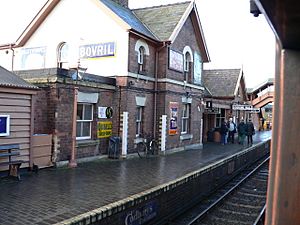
(7, 147)
(11, 163)
(9, 154)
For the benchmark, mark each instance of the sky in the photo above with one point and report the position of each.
(234, 37)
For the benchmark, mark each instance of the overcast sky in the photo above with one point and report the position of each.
(233, 36)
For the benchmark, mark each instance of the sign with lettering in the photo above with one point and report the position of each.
(104, 129)
(242, 107)
(175, 60)
(141, 215)
(33, 58)
(4, 125)
(105, 112)
(97, 50)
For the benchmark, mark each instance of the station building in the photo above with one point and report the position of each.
(224, 88)
(110, 60)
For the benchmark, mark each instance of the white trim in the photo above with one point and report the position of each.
(164, 80)
(181, 22)
(238, 83)
(181, 83)
(142, 43)
(189, 50)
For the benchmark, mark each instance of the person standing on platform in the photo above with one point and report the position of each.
(250, 132)
(242, 129)
(224, 130)
(232, 130)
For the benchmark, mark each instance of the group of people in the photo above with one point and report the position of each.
(228, 130)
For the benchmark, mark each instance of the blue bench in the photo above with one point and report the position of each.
(7, 152)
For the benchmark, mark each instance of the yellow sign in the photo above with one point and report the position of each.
(104, 129)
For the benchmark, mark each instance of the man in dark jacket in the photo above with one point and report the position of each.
(242, 132)
(250, 132)
(224, 131)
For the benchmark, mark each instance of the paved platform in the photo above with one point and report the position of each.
(54, 195)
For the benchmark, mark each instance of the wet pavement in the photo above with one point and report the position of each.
(56, 194)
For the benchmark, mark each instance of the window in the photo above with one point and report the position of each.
(220, 117)
(141, 59)
(139, 117)
(84, 121)
(62, 55)
(185, 128)
(186, 66)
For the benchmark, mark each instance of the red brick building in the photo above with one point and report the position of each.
(147, 62)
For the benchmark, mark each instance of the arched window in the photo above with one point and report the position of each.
(142, 51)
(62, 54)
(187, 66)
(141, 59)
(187, 63)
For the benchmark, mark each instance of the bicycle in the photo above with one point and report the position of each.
(148, 146)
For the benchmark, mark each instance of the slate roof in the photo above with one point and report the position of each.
(221, 83)
(162, 20)
(129, 17)
(9, 79)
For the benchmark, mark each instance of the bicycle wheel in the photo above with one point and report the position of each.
(153, 147)
(141, 149)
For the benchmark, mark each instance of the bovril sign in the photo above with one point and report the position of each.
(97, 50)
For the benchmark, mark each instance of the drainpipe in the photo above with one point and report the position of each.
(155, 87)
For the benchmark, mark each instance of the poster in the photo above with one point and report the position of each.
(175, 60)
(197, 68)
(173, 118)
(104, 129)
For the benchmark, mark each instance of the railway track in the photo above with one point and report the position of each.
(241, 201)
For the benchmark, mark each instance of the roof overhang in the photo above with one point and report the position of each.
(283, 17)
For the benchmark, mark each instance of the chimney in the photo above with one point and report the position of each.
(123, 3)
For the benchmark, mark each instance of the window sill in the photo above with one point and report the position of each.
(85, 143)
(186, 137)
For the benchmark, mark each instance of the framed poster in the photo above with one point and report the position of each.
(173, 129)
(175, 60)
(4, 125)
(197, 68)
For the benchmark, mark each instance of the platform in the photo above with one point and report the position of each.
(54, 195)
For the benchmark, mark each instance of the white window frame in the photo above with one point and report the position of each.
(62, 54)
(138, 121)
(85, 120)
(220, 117)
(185, 119)
(141, 61)
(7, 125)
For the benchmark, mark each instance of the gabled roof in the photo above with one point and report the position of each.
(9, 79)
(128, 17)
(159, 23)
(222, 82)
(162, 20)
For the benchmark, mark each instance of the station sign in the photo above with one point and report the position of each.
(255, 110)
(242, 107)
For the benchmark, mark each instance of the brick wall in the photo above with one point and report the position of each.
(186, 37)
(133, 55)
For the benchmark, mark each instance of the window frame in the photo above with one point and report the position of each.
(62, 49)
(84, 121)
(220, 117)
(141, 58)
(185, 118)
(139, 121)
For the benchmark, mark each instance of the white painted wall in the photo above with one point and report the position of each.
(78, 22)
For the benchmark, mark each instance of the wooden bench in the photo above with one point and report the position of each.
(8, 151)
